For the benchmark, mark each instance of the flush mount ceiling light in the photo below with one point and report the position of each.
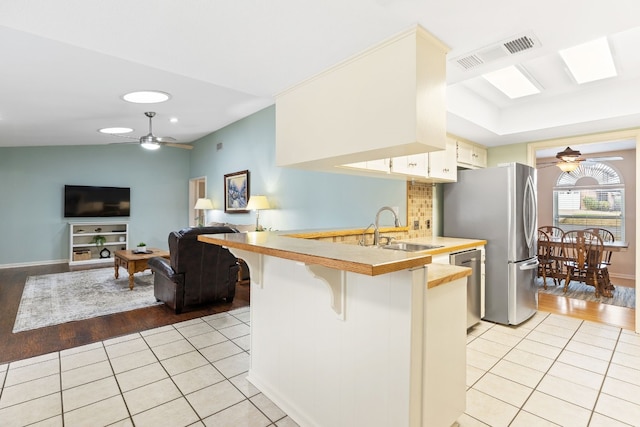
(146, 97)
(590, 61)
(115, 130)
(512, 82)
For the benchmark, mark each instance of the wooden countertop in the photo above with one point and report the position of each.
(440, 274)
(357, 259)
(450, 244)
(371, 261)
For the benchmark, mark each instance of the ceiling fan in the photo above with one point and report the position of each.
(569, 160)
(152, 142)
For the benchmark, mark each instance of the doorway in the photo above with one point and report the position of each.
(197, 190)
(582, 141)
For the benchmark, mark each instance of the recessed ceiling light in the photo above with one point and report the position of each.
(146, 97)
(512, 82)
(115, 130)
(173, 120)
(590, 61)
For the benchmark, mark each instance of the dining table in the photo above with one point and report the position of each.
(556, 246)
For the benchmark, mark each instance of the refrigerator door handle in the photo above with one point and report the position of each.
(530, 265)
(530, 212)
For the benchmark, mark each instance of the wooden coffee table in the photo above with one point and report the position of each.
(133, 262)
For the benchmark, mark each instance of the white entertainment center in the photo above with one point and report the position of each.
(83, 248)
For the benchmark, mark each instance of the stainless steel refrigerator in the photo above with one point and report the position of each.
(499, 205)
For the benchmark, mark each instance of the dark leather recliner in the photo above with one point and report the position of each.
(197, 273)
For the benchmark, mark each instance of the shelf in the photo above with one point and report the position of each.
(83, 241)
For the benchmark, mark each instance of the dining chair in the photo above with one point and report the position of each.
(555, 235)
(552, 231)
(607, 237)
(583, 260)
(546, 260)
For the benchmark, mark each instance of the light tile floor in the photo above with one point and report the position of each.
(552, 370)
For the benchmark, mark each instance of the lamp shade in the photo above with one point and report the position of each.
(568, 166)
(257, 203)
(203, 204)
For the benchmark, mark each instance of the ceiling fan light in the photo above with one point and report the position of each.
(150, 145)
(568, 155)
(568, 167)
(146, 97)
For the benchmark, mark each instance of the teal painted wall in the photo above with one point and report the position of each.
(32, 179)
(34, 230)
(302, 199)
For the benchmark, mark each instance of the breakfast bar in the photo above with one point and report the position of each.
(345, 335)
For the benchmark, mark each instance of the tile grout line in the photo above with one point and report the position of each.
(546, 373)
(613, 352)
(115, 377)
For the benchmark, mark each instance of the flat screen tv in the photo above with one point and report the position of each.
(91, 201)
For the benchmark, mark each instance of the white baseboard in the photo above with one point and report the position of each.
(34, 263)
(623, 276)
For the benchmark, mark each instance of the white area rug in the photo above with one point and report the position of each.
(52, 299)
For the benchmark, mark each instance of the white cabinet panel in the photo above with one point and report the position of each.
(471, 156)
(414, 165)
(443, 165)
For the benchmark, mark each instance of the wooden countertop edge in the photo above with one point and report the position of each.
(457, 248)
(441, 274)
(340, 233)
(338, 264)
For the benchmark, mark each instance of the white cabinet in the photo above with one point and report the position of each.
(443, 165)
(436, 166)
(95, 242)
(373, 166)
(381, 165)
(414, 165)
(470, 155)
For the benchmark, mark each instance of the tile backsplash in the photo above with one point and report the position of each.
(420, 209)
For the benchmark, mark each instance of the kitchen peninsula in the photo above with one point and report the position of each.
(344, 335)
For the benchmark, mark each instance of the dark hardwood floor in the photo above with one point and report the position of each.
(54, 338)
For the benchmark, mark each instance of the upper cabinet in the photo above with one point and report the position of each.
(443, 165)
(386, 102)
(470, 155)
(416, 165)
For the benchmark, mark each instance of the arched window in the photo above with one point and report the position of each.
(592, 195)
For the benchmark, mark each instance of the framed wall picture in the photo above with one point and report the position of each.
(236, 192)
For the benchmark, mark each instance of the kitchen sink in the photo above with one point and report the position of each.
(410, 247)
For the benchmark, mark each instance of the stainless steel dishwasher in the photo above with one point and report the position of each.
(472, 259)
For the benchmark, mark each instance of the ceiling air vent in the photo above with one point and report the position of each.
(511, 46)
(519, 44)
(469, 61)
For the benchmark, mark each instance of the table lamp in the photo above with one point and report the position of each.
(202, 205)
(258, 203)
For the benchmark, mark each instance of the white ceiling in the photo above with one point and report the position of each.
(65, 64)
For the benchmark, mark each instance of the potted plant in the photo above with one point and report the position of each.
(142, 247)
(99, 240)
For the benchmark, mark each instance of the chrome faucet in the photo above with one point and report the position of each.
(376, 233)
